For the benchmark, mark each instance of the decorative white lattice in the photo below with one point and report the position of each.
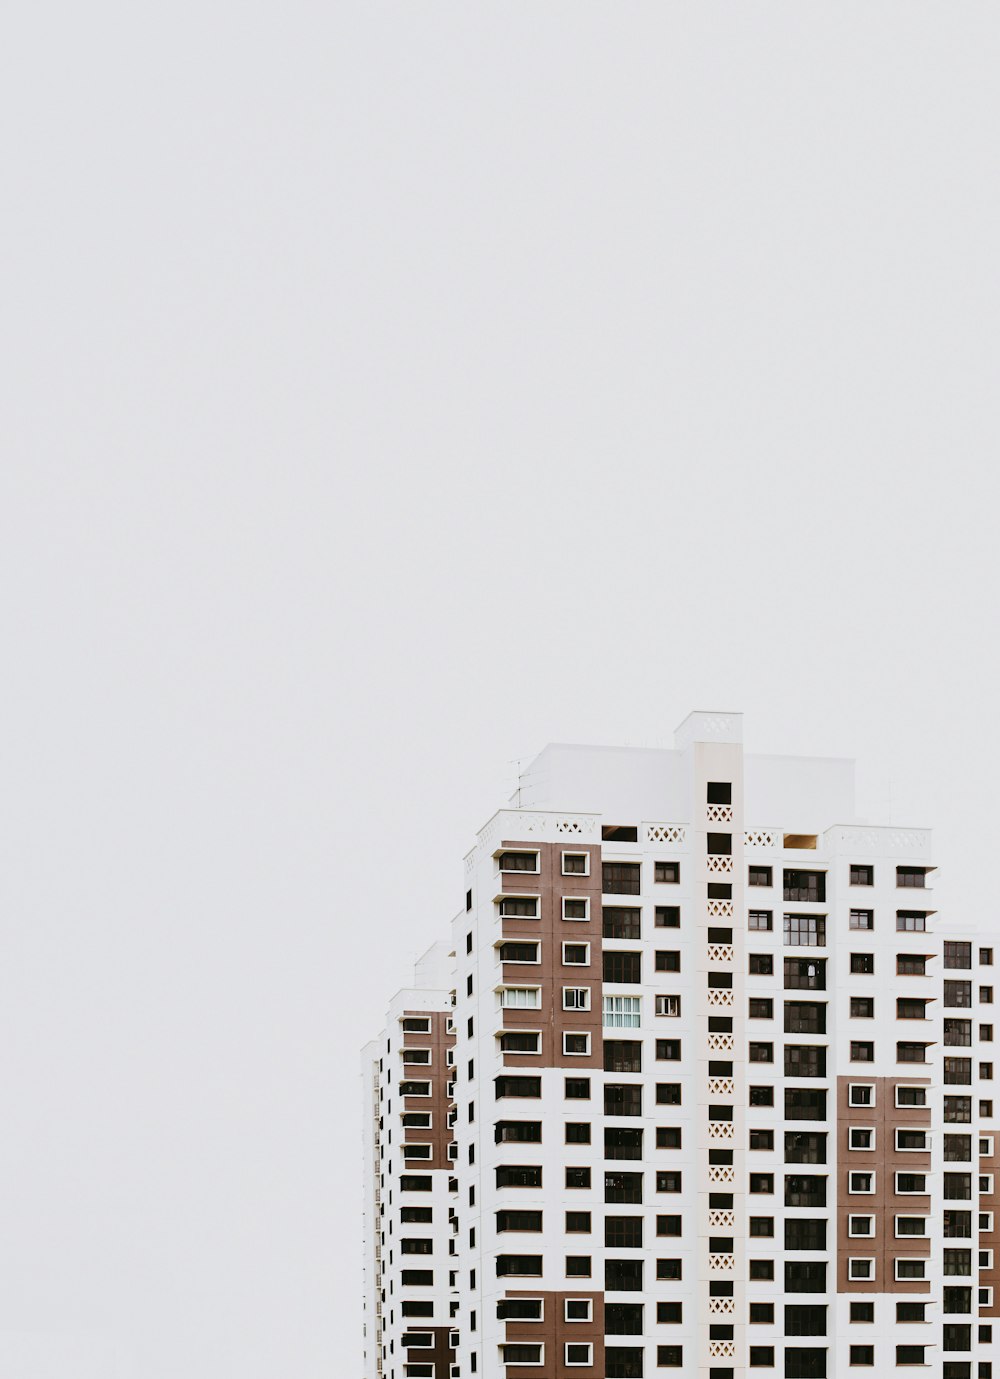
(720, 996)
(470, 863)
(721, 1350)
(721, 1173)
(717, 863)
(721, 1130)
(722, 1307)
(576, 828)
(720, 952)
(720, 813)
(760, 838)
(721, 1043)
(721, 1086)
(884, 840)
(664, 833)
(722, 1220)
(721, 909)
(721, 1264)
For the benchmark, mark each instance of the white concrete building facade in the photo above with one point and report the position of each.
(717, 1082)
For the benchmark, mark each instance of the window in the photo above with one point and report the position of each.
(861, 1094)
(911, 964)
(621, 1012)
(761, 1270)
(759, 876)
(576, 1044)
(519, 952)
(577, 1088)
(807, 886)
(576, 1176)
(519, 1221)
(861, 1225)
(909, 1183)
(623, 1187)
(911, 1096)
(804, 1103)
(511, 1085)
(760, 964)
(520, 1041)
(986, 957)
(911, 921)
(912, 876)
(623, 1099)
(719, 844)
(623, 967)
(911, 1008)
(575, 907)
(621, 878)
(407, 1089)
(760, 1008)
(578, 1309)
(862, 919)
(957, 994)
(578, 1222)
(666, 917)
(576, 954)
(517, 1132)
(803, 1363)
(521, 998)
(805, 1060)
(909, 1052)
(761, 920)
(761, 1053)
(668, 1137)
(861, 1270)
(519, 1264)
(802, 1147)
(620, 921)
(667, 1005)
(621, 1143)
(761, 1139)
(805, 1321)
(862, 1312)
(578, 1353)
(805, 1190)
(862, 1354)
(805, 1234)
(862, 962)
(668, 961)
(862, 1051)
(910, 1354)
(860, 1183)
(761, 1356)
(519, 907)
(861, 1137)
(805, 973)
(578, 1266)
(519, 1175)
(805, 1277)
(862, 1007)
(911, 1139)
(762, 1096)
(862, 875)
(762, 1313)
(667, 871)
(518, 861)
(911, 1311)
(619, 833)
(575, 864)
(623, 1275)
(520, 1309)
(808, 931)
(805, 1017)
(522, 1352)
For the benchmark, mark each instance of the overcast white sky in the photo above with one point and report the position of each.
(388, 389)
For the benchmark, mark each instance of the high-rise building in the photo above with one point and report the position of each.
(703, 1083)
